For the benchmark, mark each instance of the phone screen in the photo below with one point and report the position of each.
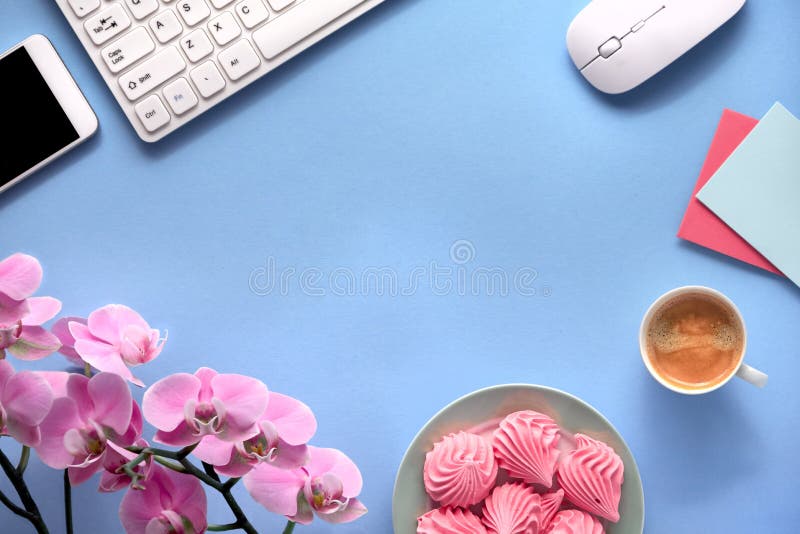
(34, 126)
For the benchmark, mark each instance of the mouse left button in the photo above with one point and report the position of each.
(609, 48)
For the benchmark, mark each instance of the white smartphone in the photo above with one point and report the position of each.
(44, 112)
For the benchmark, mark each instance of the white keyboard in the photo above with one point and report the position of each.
(168, 61)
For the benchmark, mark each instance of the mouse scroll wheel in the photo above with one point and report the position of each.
(609, 48)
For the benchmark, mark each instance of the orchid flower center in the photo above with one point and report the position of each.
(324, 499)
(206, 418)
(88, 442)
(261, 448)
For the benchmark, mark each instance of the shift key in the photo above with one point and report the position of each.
(152, 73)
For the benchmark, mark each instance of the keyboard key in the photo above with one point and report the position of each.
(83, 7)
(219, 4)
(152, 113)
(179, 96)
(107, 24)
(238, 60)
(279, 5)
(193, 11)
(197, 45)
(152, 73)
(252, 13)
(298, 23)
(141, 8)
(208, 79)
(224, 28)
(166, 26)
(127, 50)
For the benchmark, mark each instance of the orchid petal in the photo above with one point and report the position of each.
(112, 401)
(27, 398)
(305, 513)
(294, 420)
(182, 436)
(34, 344)
(214, 451)
(41, 310)
(163, 403)
(57, 381)
(12, 310)
(290, 456)
(62, 417)
(335, 462)
(61, 330)
(6, 372)
(20, 276)
(275, 489)
(28, 435)
(82, 473)
(244, 399)
(102, 356)
(238, 466)
(108, 322)
(351, 512)
(205, 375)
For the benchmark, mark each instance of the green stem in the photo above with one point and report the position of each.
(289, 527)
(67, 501)
(87, 370)
(23, 459)
(32, 511)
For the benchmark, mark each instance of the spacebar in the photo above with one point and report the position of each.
(298, 23)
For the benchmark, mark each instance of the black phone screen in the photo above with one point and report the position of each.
(35, 125)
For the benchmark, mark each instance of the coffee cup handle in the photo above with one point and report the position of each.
(752, 375)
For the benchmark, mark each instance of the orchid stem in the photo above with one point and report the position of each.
(23, 459)
(31, 511)
(67, 501)
(289, 527)
(87, 370)
(209, 469)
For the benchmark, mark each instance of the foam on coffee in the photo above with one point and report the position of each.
(695, 340)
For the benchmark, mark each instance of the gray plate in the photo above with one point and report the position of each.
(410, 500)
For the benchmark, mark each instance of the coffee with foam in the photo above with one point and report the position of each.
(695, 341)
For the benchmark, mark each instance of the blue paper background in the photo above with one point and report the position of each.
(424, 123)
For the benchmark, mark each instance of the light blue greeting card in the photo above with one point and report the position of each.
(757, 190)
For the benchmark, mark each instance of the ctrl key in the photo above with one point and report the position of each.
(152, 113)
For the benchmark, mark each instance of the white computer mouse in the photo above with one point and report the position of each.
(619, 44)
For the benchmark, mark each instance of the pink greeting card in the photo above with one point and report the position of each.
(699, 224)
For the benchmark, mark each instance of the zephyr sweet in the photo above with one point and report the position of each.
(591, 477)
(512, 508)
(526, 445)
(460, 470)
(498, 485)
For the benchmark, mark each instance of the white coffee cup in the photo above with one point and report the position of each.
(742, 370)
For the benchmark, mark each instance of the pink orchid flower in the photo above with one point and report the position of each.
(61, 330)
(115, 338)
(284, 429)
(25, 400)
(171, 503)
(77, 431)
(21, 315)
(328, 485)
(185, 408)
